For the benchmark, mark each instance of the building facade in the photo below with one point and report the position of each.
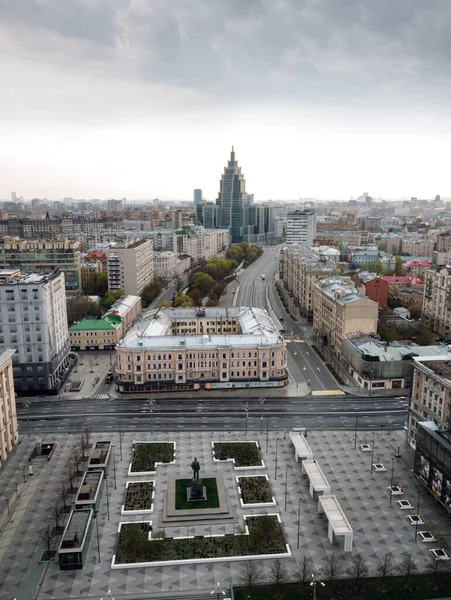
(373, 287)
(9, 433)
(130, 266)
(33, 321)
(436, 313)
(164, 264)
(209, 348)
(94, 334)
(301, 227)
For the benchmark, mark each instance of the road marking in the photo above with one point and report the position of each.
(328, 393)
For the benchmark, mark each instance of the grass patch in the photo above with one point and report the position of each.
(181, 502)
(265, 537)
(138, 496)
(148, 453)
(255, 490)
(246, 454)
(417, 587)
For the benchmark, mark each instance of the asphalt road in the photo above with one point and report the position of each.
(213, 414)
(303, 362)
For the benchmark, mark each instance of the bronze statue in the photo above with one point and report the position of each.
(195, 465)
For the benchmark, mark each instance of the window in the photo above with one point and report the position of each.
(10, 294)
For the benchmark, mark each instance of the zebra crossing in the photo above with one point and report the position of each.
(100, 396)
(295, 341)
(328, 393)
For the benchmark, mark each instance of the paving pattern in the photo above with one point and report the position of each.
(379, 527)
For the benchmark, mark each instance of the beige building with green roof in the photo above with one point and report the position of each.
(95, 334)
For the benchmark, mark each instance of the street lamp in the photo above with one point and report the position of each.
(391, 478)
(355, 436)
(24, 469)
(372, 455)
(262, 402)
(286, 485)
(114, 466)
(267, 432)
(107, 496)
(120, 439)
(299, 519)
(275, 469)
(247, 415)
(218, 591)
(418, 516)
(97, 529)
(151, 403)
(27, 404)
(313, 583)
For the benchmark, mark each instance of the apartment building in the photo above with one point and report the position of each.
(339, 311)
(8, 416)
(130, 266)
(126, 311)
(164, 264)
(94, 334)
(437, 300)
(417, 268)
(301, 268)
(301, 227)
(444, 242)
(373, 287)
(89, 271)
(431, 393)
(417, 247)
(206, 348)
(43, 256)
(199, 243)
(33, 322)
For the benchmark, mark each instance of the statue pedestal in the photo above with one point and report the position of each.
(197, 492)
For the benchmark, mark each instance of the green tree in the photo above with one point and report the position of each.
(151, 291)
(81, 307)
(195, 296)
(235, 253)
(98, 285)
(368, 266)
(109, 299)
(182, 301)
(379, 267)
(399, 269)
(203, 282)
(340, 268)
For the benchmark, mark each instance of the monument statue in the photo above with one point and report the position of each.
(195, 465)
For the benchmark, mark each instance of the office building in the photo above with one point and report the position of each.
(40, 256)
(8, 415)
(130, 266)
(206, 214)
(205, 348)
(197, 196)
(301, 227)
(33, 321)
(436, 314)
(164, 264)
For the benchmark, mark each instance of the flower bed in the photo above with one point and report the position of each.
(137, 545)
(242, 454)
(255, 491)
(139, 497)
(147, 455)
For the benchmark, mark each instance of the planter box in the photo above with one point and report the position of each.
(142, 511)
(253, 504)
(394, 490)
(404, 504)
(157, 464)
(365, 447)
(415, 520)
(193, 561)
(232, 460)
(439, 554)
(427, 536)
(379, 468)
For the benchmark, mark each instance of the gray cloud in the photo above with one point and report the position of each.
(328, 51)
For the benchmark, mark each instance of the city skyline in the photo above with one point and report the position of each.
(143, 99)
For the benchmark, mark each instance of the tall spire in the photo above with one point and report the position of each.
(232, 155)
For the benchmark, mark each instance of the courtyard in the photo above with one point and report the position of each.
(380, 525)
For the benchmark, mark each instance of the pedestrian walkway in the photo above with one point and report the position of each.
(328, 393)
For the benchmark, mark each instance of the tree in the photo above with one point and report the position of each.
(77, 459)
(70, 474)
(385, 566)
(407, 566)
(398, 266)
(195, 296)
(278, 572)
(63, 494)
(211, 302)
(250, 574)
(46, 537)
(332, 568)
(97, 284)
(165, 304)
(56, 511)
(305, 569)
(379, 267)
(109, 299)
(80, 307)
(203, 282)
(340, 268)
(182, 301)
(368, 266)
(358, 567)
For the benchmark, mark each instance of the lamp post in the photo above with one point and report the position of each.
(286, 485)
(372, 455)
(299, 519)
(275, 469)
(97, 530)
(313, 583)
(218, 591)
(27, 406)
(120, 439)
(7, 504)
(355, 435)
(247, 415)
(24, 469)
(262, 402)
(107, 496)
(114, 466)
(391, 478)
(151, 403)
(267, 432)
(418, 516)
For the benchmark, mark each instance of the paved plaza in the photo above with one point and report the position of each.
(379, 527)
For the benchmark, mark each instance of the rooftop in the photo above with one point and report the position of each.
(440, 366)
(12, 276)
(92, 324)
(371, 348)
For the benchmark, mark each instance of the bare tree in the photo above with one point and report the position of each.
(250, 574)
(56, 512)
(359, 567)
(305, 569)
(278, 572)
(434, 565)
(332, 568)
(87, 434)
(83, 445)
(46, 537)
(385, 566)
(63, 494)
(70, 474)
(407, 566)
(77, 459)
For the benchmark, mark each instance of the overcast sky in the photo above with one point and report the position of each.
(144, 98)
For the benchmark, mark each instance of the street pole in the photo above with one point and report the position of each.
(97, 529)
(120, 439)
(355, 436)
(391, 478)
(107, 496)
(372, 455)
(7, 504)
(418, 515)
(267, 432)
(247, 415)
(275, 470)
(299, 520)
(286, 485)
(114, 466)
(27, 406)
(151, 401)
(262, 402)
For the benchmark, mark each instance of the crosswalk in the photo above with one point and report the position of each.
(295, 341)
(328, 393)
(99, 396)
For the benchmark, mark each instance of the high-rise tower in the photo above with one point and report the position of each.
(232, 201)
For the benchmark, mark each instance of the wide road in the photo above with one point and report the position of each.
(304, 364)
(238, 414)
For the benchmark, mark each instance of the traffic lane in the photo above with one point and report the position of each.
(314, 365)
(303, 364)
